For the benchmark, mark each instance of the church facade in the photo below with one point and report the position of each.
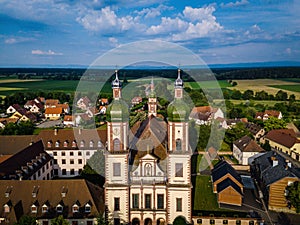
(148, 178)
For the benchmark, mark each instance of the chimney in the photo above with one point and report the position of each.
(64, 191)
(55, 131)
(79, 130)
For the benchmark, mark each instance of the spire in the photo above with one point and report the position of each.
(116, 82)
(178, 81)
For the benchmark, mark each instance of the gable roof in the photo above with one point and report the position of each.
(246, 144)
(17, 161)
(228, 183)
(221, 169)
(49, 192)
(50, 102)
(253, 128)
(285, 137)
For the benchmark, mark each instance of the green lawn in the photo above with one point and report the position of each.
(291, 87)
(255, 102)
(204, 198)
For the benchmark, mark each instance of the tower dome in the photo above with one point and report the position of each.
(116, 83)
(117, 111)
(178, 81)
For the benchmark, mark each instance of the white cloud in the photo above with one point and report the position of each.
(113, 41)
(153, 12)
(10, 41)
(15, 40)
(235, 4)
(288, 51)
(193, 23)
(49, 52)
(168, 25)
(106, 20)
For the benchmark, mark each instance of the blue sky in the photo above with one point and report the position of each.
(70, 32)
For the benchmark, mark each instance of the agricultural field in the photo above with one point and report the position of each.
(9, 86)
(271, 86)
(208, 84)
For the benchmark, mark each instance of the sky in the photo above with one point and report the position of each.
(75, 33)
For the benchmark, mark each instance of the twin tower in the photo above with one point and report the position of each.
(148, 185)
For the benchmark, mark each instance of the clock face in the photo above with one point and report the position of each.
(116, 131)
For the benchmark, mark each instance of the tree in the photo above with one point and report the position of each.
(236, 132)
(293, 193)
(281, 95)
(179, 220)
(274, 123)
(26, 220)
(59, 221)
(247, 95)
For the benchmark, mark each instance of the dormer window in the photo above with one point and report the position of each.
(75, 208)
(59, 208)
(6, 208)
(82, 144)
(49, 144)
(44, 208)
(57, 144)
(65, 144)
(74, 145)
(87, 208)
(99, 144)
(33, 209)
(91, 144)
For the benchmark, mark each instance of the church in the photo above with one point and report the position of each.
(148, 180)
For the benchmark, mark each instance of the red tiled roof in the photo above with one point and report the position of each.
(53, 110)
(285, 137)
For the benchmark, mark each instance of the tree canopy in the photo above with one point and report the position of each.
(293, 195)
(59, 221)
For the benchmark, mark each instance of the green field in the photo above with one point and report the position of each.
(208, 84)
(295, 88)
(204, 198)
(52, 85)
(255, 102)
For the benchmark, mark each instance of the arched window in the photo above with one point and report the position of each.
(148, 170)
(66, 144)
(87, 208)
(59, 208)
(57, 144)
(75, 208)
(49, 144)
(178, 145)
(91, 144)
(74, 145)
(117, 145)
(82, 144)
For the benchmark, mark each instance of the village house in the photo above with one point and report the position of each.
(256, 130)
(136, 100)
(104, 101)
(28, 116)
(51, 103)
(47, 199)
(31, 163)
(227, 184)
(14, 108)
(203, 115)
(267, 114)
(69, 121)
(53, 113)
(65, 107)
(71, 149)
(245, 150)
(274, 173)
(284, 140)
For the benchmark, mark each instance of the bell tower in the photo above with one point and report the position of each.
(116, 157)
(179, 163)
(152, 101)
